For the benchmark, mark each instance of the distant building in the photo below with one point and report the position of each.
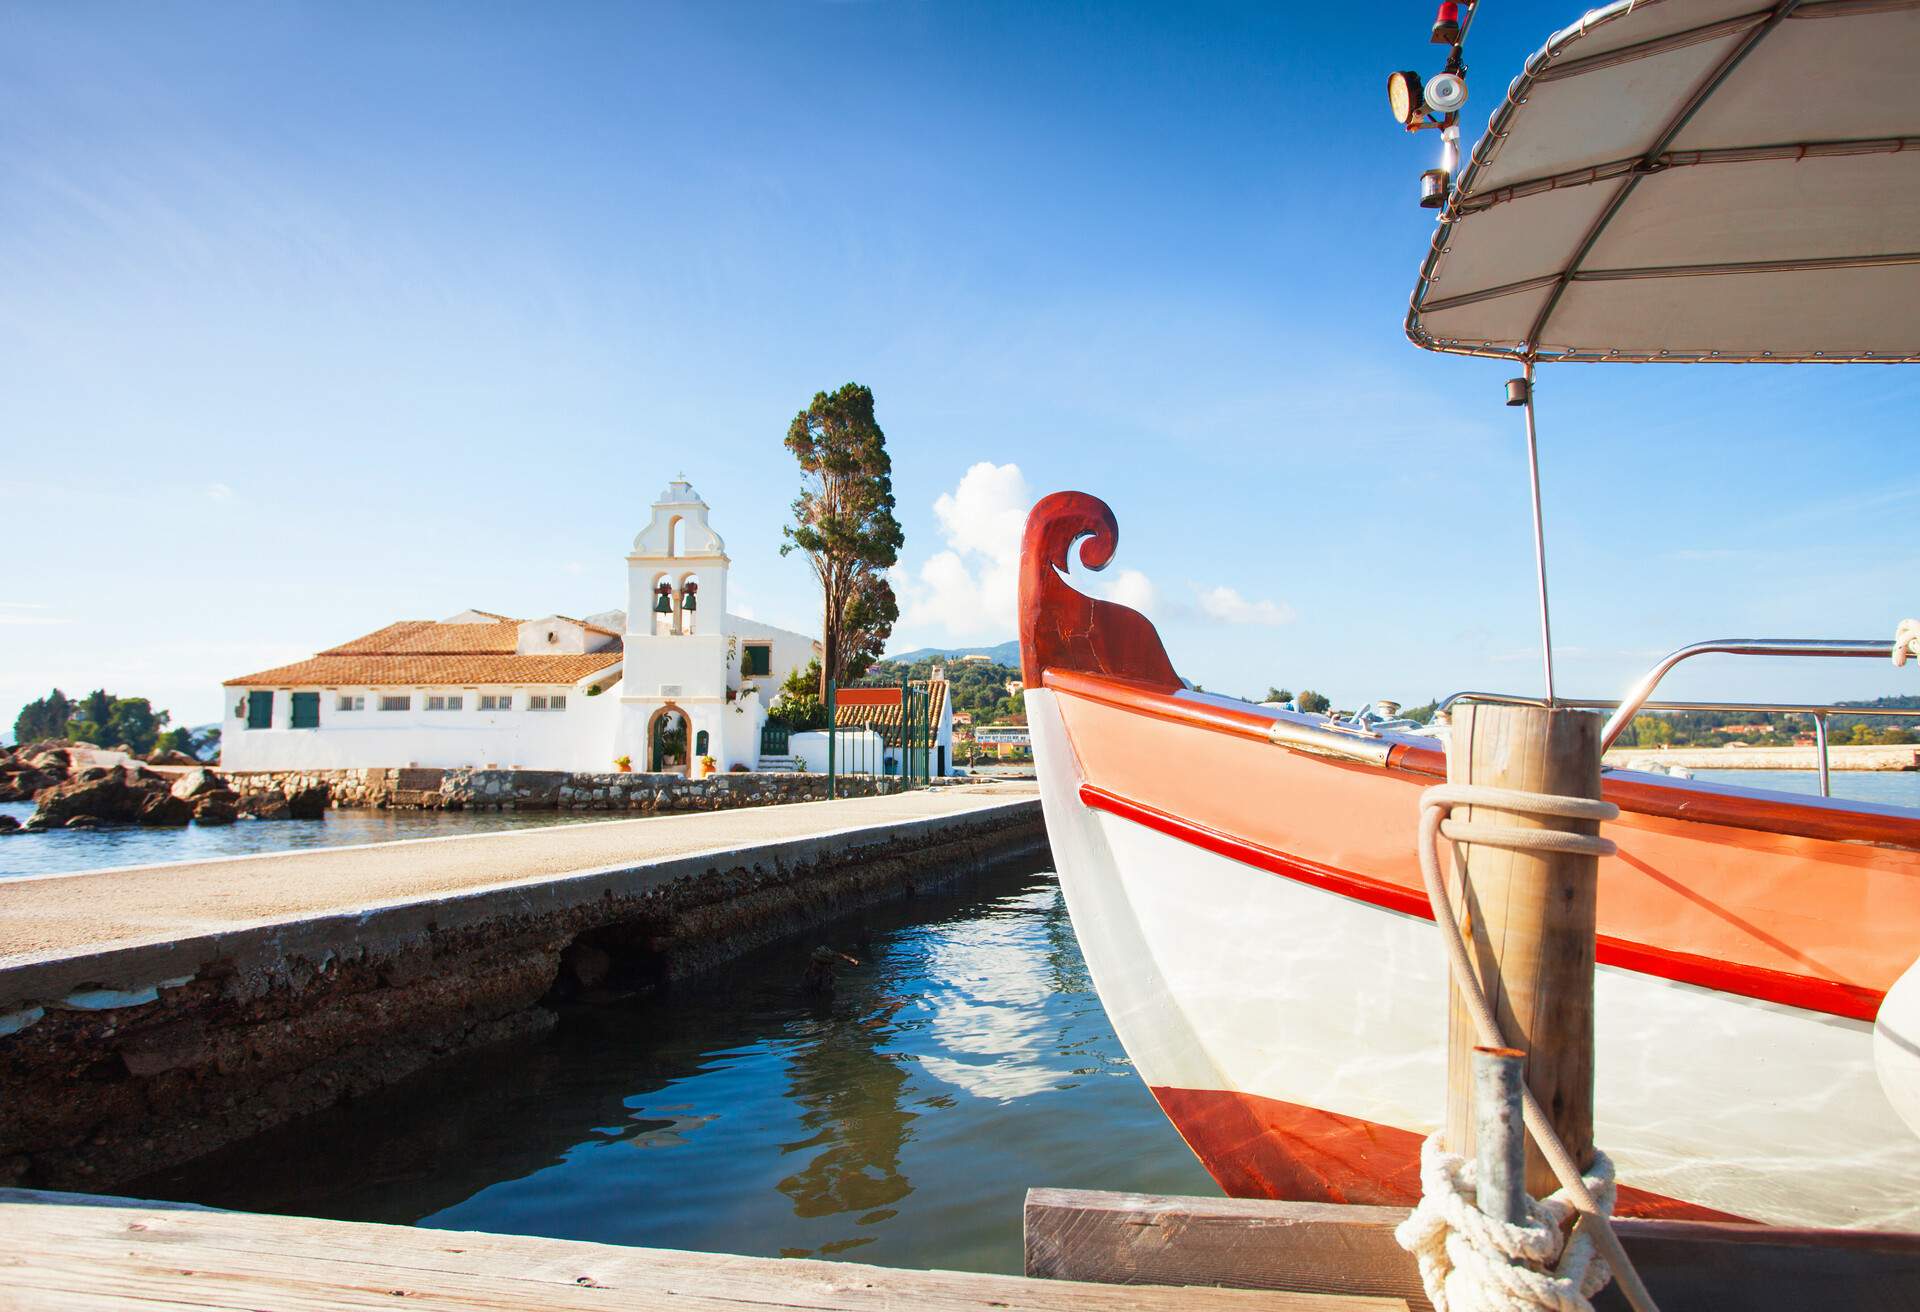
(670, 680)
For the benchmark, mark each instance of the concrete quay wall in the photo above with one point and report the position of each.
(122, 1058)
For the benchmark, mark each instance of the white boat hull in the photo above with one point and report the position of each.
(1255, 1003)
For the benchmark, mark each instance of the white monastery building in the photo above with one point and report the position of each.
(671, 680)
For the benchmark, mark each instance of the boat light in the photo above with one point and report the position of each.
(1516, 391)
(1404, 94)
(1433, 188)
(687, 600)
(663, 600)
(1446, 24)
(1446, 92)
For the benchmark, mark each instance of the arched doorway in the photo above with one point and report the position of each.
(667, 741)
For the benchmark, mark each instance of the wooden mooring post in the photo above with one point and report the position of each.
(1528, 918)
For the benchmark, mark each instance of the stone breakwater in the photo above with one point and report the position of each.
(1841, 756)
(198, 1024)
(552, 790)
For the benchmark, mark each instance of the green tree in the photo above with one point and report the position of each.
(45, 717)
(799, 704)
(1651, 731)
(843, 520)
(1313, 703)
(177, 740)
(95, 713)
(134, 722)
(1277, 695)
(870, 617)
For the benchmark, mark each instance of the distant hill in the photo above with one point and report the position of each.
(1005, 653)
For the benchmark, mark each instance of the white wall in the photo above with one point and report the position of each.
(860, 750)
(578, 738)
(739, 738)
(791, 651)
(696, 667)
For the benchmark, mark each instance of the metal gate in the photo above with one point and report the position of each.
(899, 713)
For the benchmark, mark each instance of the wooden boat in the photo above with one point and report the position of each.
(1244, 880)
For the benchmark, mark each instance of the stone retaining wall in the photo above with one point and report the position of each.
(554, 790)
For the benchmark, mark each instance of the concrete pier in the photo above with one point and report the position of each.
(151, 1014)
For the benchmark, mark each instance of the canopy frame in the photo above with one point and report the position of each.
(1749, 31)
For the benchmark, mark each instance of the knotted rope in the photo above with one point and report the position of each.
(1469, 1261)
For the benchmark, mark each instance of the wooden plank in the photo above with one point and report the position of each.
(1691, 1266)
(65, 1251)
(1529, 923)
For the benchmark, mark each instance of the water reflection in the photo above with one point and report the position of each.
(899, 1120)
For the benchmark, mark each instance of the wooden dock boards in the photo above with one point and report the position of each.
(67, 1252)
(1690, 1266)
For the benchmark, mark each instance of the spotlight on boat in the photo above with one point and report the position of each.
(1516, 391)
(1446, 92)
(1433, 188)
(1404, 94)
(1446, 25)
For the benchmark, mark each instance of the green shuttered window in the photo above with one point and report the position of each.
(259, 710)
(306, 710)
(756, 658)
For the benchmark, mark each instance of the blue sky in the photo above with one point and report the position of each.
(315, 316)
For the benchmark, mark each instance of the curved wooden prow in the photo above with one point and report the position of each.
(1061, 629)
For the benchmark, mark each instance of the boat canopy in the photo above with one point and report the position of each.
(1693, 180)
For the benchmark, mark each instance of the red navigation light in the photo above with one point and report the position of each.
(1446, 24)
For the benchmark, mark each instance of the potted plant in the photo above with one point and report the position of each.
(624, 764)
(708, 766)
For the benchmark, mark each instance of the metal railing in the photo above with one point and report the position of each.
(1637, 699)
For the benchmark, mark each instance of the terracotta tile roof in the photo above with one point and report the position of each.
(425, 653)
(857, 707)
(427, 637)
(590, 628)
(379, 671)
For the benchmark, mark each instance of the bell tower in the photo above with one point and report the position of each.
(677, 571)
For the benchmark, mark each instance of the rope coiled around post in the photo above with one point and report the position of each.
(1468, 1261)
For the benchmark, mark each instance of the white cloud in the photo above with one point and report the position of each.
(1129, 587)
(219, 492)
(1229, 607)
(987, 512)
(970, 590)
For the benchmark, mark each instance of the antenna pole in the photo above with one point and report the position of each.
(1539, 535)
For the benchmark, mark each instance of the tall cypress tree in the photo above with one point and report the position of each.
(843, 520)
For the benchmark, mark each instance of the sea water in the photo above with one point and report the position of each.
(899, 1120)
